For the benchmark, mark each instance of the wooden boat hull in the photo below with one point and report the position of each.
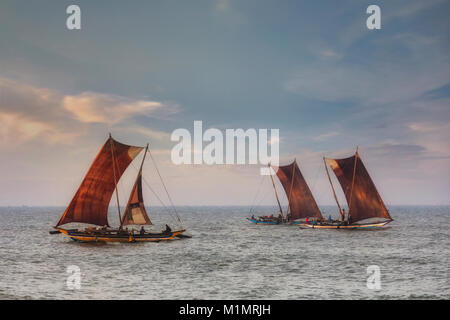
(344, 227)
(256, 221)
(82, 236)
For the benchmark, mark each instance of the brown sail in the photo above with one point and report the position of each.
(91, 201)
(301, 200)
(362, 196)
(135, 212)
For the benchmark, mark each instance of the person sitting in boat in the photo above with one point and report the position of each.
(279, 218)
(168, 229)
(271, 216)
(253, 216)
(329, 217)
(142, 231)
(307, 220)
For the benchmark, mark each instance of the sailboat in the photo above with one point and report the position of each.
(366, 208)
(91, 201)
(301, 203)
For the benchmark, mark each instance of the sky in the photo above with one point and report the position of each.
(141, 69)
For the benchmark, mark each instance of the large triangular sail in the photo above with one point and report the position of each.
(301, 200)
(91, 201)
(362, 197)
(135, 212)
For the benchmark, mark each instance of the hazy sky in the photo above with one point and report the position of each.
(141, 69)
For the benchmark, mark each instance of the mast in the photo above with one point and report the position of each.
(137, 177)
(115, 179)
(353, 182)
(332, 187)
(292, 185)
(275, 189)
(143, 158)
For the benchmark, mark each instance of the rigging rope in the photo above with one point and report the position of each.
(256, 195)
(154, 192)
(264, 196)
(319, 197)
(315, 179)
(164, 185)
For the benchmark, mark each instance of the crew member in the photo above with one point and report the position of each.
(343, 215)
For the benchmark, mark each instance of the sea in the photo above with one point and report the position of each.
(229, 258)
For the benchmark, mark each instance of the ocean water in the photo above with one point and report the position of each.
(229, 258)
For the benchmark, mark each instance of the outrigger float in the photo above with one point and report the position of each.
(366, 208)
(91, 201)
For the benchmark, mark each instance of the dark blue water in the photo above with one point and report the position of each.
(229, 258)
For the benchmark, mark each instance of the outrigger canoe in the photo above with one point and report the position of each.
(364, 201)
(118, 236)
(91, 202)
(301, 203)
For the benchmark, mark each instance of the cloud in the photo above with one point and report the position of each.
(377, 79)
(90, 107)
(326, 136)
(330, 82)
(29, 113)
(224, 11)
(410, 8)
(274, 139)
(397, 149)
(13, 127)
(222, 5)
(147, 132)
(421, 127)
(390, 12)
(329, 53)
(433, 136)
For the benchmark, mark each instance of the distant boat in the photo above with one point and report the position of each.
(366, 208)
(91, 202)
(301, 203)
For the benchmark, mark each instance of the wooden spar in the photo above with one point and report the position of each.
(353, 182)
(275, 189)
(332, 187)
(137, 177)
(115, 179)
(290, 190)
